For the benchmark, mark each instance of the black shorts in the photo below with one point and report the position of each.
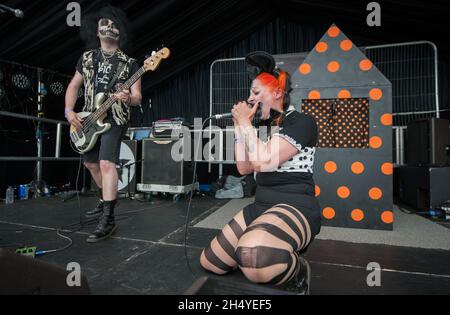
(107, 147)
(298, 196)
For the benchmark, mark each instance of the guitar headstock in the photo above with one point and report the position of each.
(153, 61)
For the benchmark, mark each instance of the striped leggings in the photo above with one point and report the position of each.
(265, 251)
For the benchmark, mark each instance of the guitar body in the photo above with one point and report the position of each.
(84, 140)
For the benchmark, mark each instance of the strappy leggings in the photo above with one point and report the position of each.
(265, 251)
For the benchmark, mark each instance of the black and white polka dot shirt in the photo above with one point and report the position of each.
(300, 130)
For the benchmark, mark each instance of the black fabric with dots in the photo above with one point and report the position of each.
(342, 123)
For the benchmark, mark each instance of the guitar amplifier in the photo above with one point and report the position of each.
(161, 172)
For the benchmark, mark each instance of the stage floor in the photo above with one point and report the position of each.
(146, 254)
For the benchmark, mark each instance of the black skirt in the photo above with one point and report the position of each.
(273, 189)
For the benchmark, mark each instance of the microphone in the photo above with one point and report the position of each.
(222, 116)
(18, 13)
(230, 115)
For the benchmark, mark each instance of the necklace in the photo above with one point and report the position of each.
(105, 58)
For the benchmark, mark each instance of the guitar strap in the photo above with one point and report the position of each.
(117, 69)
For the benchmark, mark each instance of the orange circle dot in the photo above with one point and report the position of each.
(357, 215)
(346, 45)
(375, 193)
(314, 95)
(376, 142)
(387, 217)
(317, 191)
(322, 47)
(305, 69)
(334, 31)
(330, 167)
(387, 168)
(358, 168)
(386, 119)
(334, 66)
(365, 65)
(344, 94)
(343, 192)
(376, 94)
(329, 213)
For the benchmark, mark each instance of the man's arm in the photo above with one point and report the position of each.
(71, 99)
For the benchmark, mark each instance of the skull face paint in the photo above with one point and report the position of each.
(107, 30)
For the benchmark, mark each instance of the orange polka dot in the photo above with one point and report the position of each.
(322, 47)
(330, 167)
(344, 94)
(376, 142)
(375, 193)
(357, 215)
(314, 95)
(334, 66)
(334, 31)
(387, 217)
(305, 69)
(346, 45)
(317, 191)
(343, 192)
(357, 168)
(376, 94)
(387, 168)
(365, 65)
(329, 213)
(386, 119)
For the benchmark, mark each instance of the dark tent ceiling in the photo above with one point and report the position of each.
(198, 29)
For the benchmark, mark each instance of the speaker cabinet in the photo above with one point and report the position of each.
(162, 172)
(21, 275)
(427, 142)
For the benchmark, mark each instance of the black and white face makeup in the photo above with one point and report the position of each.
(107, 30)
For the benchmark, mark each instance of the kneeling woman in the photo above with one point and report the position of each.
(264, 239)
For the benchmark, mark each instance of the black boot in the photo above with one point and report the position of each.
(107, 224)
(98, 210)
(300, 282)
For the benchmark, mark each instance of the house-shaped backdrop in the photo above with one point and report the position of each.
(351, 101)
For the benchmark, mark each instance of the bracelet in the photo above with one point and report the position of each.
(238, 141)
(66, 111)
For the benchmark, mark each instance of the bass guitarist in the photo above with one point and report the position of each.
(100, 69)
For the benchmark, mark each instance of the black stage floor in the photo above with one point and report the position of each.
(146, 255)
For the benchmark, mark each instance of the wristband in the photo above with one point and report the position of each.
(66, 111)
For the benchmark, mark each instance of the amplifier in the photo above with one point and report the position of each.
(161, 172)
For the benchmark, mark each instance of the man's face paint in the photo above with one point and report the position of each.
(108, 30)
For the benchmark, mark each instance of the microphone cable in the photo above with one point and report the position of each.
(194, 174)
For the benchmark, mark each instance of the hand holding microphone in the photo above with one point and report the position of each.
(243, 113)
(254, 110)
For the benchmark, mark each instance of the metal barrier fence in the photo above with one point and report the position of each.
(411, 67)
(39, 158)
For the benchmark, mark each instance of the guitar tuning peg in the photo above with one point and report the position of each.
(153, 53)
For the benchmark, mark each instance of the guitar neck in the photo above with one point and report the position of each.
(112, 99)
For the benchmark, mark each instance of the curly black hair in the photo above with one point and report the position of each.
(89, 27)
